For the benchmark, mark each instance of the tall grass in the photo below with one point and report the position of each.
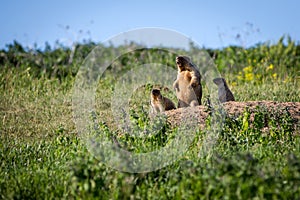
(43, 157)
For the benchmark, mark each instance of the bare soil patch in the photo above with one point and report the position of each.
(235, 109)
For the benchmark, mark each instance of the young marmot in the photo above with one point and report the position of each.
(223, 90)
(188, 83)
(160, 103)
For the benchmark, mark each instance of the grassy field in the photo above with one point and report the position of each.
(43, 157)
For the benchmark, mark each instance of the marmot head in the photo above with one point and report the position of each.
(183, 63)
(219, 81)
(155, 94)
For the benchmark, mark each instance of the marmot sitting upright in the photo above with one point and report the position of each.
(160, 103)
(224, 92)
(188, 83)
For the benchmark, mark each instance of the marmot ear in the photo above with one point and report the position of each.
(166, 89)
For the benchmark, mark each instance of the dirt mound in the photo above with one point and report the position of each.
(234, 109)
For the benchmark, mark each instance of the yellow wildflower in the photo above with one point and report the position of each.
(240, 76)
(249, 77)
(248, 69)
(270, 67)
(274, 76)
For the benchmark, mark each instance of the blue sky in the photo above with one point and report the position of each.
(212, 24)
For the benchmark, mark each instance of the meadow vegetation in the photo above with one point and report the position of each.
(43, 157)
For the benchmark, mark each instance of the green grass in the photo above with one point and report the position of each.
(43, 157)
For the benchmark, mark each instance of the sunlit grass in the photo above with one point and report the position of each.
(43, 157)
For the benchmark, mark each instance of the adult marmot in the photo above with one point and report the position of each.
(223, 90)
(188, 83)
(160, 103)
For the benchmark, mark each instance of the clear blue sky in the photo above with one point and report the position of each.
(211, 23)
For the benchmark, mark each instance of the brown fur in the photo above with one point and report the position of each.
(224, 92)
(188, 83)
(160, 103)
